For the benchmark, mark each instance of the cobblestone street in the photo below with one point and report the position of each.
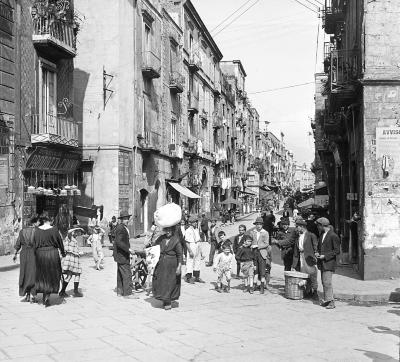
(207, 326)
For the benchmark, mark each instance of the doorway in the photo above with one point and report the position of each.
(144, 209)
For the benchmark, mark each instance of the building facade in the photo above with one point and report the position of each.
(357, 131)
(304, 178)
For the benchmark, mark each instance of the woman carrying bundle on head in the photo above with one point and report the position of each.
(167, 273)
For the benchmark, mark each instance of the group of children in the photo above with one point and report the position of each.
(247, 257)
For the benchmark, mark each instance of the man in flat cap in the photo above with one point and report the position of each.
(285, 240)
(328, 249)
(304, 259)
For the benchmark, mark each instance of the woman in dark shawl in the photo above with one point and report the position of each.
(48, 242)
(27, 269)
(167, 274)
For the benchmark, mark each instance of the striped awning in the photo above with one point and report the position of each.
(184, 190)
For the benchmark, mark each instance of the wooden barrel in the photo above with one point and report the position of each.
(295, 283)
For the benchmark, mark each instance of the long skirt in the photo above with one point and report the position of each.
(48, 270)
(27, 271)
(166, 284)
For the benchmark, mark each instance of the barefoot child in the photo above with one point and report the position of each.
(223, 265)
(245, 255)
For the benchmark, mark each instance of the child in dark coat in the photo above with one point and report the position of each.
(245, 255)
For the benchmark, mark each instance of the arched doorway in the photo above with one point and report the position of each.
(144, 209)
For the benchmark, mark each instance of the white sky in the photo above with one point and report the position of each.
(276, 41)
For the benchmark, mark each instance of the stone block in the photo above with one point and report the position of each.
(30, 350)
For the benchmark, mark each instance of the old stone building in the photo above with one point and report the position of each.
(357, 136)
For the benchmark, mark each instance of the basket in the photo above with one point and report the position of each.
(295, 283)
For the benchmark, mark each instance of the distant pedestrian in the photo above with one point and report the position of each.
(295, 213)
(328, 249)
(193, 257)
(262, 255)
(237, 243)
(48, 246)
(285, 213)
(96, 241)
(27, 268)
(214, 241)
(121, 254)
(304, 259)
(111, 229)
(245, 255)
(71, 264)
(222, 266)
(204, 228)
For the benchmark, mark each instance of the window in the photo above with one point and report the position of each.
(173, 56)
(4, 140)
(147, 38)
(173, 132)
(124, 168)
(192, 130)
(190, 44)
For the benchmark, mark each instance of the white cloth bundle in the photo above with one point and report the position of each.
(168, 215)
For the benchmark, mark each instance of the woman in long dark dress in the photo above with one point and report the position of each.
(167, 274)
(48, 242)
(27, 270)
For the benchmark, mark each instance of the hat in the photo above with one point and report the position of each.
(247, 237)
(74, 229)
(259, 220)
(124, 215)
(300, 222)
(323, 221)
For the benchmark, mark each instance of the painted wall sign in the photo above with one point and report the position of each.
(387, 142)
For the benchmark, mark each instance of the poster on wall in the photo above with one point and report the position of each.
(388, 150)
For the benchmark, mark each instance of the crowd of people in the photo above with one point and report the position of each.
(47, 259)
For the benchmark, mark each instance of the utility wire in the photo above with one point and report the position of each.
(319, 2)
(313, 4)
(311, 9)
(228, 17)
(276, 89)
(234, 19)
(316, 49)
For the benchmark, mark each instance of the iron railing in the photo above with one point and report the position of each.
(345, 69)
(54, 125)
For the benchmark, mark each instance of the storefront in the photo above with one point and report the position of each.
(51, 184)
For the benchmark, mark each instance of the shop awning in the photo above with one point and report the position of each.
(184, 190)
(247, 193)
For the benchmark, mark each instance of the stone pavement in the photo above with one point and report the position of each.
(207, 326)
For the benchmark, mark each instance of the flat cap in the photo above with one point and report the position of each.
(301, 222)
(323, 221)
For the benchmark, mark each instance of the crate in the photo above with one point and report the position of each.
(295, 284)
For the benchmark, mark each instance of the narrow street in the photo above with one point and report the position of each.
(207, 326)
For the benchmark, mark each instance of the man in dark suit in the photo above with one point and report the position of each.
(285, 240)
(237, 243)
(304, 259)
(268, 223)
(328, 249)
(121, 254)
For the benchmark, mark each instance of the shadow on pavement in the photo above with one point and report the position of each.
(384, 330)
(376, 356)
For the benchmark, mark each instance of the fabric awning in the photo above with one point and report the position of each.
(184, 190)
(247, 193)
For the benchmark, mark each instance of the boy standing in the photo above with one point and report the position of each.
(223, 265)
(245, 256)
(97, 248)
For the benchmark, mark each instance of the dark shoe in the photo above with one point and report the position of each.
(262, 288)
(77, 293)
(314, 295)
(199, 280)
(63, 294)
(219, 290)
(209, 264)
(257, 287)
(323, 303)
(46, 301)
(251, 290)
(331, 305)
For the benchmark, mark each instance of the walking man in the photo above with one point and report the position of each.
(214, 241)
(121, 254)
(328, 249)
(193, 257)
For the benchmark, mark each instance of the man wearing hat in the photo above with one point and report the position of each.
(121, 256)
(285, 241)
(262, 254)
(193, 257)
(304, 259)
(328, 249)
(214, 241)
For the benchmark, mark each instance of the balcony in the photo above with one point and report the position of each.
(327, 56)
(345, 71)
(150, 142)
(334, 124)
(176, 82)
(217, 120)
(151, 65)
(193, 104)
(204, 118)
(53, 38)
(175, 151)
(194, 62)
(332, 14)
(50, 129)
(217, 88)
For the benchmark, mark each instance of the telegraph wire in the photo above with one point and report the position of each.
(311, 9)
(280, 88)
(228, 17)
(313, 4)
(316, 49)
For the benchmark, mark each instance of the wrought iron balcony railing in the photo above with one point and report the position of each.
(333, 12)
(176, 82)
(345, 70)
(150, 141)
(54, 37)
(194, 62)
(193, 105)
(54, 129)
(151, 65)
